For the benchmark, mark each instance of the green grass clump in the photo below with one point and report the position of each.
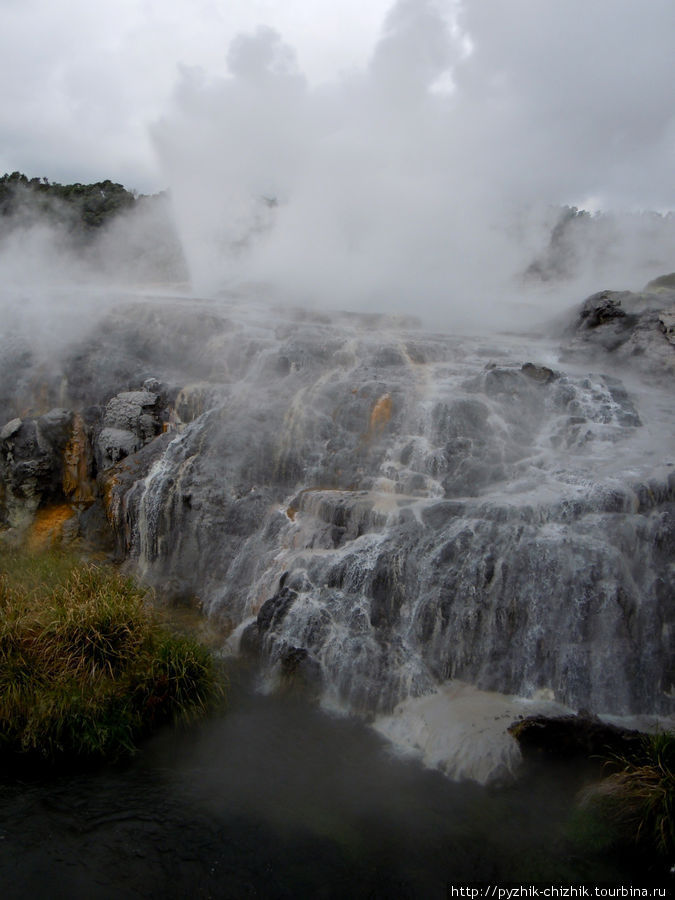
(646, 784)
(85, 670)
(637, 800)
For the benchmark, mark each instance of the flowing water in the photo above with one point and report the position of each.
(434, 533)
(276, 798)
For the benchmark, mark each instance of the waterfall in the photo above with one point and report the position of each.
(389, 512)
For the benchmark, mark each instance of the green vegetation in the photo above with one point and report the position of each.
(102, 224)
(644, 788)
(635, 805)
(79, 207)
(85, 670)
(663, 283)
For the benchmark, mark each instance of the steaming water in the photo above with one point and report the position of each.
(391, 509)
(277, 799)
(393, 515)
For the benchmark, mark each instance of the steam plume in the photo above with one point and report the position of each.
(430, 179)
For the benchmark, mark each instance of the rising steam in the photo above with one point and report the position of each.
(432, 178)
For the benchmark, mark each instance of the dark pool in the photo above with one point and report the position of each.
(274, 798)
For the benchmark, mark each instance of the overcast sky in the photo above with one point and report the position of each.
(82, 81)
(413, 146)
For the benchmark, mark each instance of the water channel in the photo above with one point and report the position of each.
(275, 798)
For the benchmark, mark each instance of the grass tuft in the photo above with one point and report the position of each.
(85, 670)
(637, 800)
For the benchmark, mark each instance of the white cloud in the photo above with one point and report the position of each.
(80, 82)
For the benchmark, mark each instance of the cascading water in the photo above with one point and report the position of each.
(386, 511)
(389, 514)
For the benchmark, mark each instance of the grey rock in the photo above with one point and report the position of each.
(540, 374)
(31, 464)
(125, 409)
(56, 424)
(385, 509)
(116, 443)
(10, 429)
(629, 326)
(131, 419)
(567, 737)
(601, 308)
(667, 323)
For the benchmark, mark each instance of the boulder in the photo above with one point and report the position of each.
(131, 420)
(635, 327)
(566, 737)
(10, 429)
(114, 444)
(31, 464)
(540, 374)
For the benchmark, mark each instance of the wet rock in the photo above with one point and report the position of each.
(250, 643)
(431, 518)
(195, 399)
(566, 737)
(298, 665)
(632, 326)
(130, 420)
(667, 323)
(114, 444)
(442, 513)
(275, 609)
(387, 591)
(601, 308)
(540, 374)
(31, 464)
(10, 429)
(119, 484)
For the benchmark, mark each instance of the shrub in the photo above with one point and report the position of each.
(85, 670)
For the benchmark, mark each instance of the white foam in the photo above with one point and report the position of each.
(462, 731)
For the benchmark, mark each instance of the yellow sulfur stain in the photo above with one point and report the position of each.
(47, 527)
(78, 485)
(380, 416)
(111, 501)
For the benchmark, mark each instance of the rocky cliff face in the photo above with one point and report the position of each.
(380, 509)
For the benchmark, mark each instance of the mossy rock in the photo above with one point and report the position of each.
(662, 283)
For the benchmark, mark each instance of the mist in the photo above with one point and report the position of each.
(429, 180)
(58, 279)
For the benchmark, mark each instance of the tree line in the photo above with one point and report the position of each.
(83, 207)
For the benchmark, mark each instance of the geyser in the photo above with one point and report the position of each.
(434, 176)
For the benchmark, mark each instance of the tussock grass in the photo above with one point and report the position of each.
(85, 670)
(637, 800)
(645, 790)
